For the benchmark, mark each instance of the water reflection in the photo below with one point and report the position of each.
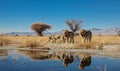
(85, 61)
(36, 55)
(3, 53)
(28, 60)
(67, 59)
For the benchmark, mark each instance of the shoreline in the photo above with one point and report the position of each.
(107, 50)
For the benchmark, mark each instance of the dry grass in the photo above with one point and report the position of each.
(36, 41)
(98, 40)
(28, 41)
(4, 41)
(108, 40)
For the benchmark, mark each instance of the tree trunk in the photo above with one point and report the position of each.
(39, 33)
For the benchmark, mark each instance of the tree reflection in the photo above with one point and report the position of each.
(36, 55)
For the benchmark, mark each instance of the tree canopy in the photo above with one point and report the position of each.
(40, 27)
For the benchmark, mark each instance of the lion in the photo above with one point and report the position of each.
(53, 38)
(87, 35)
(68, 36)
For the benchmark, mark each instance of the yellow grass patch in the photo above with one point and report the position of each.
(108, 40)
(97, 40)
(37, 41)
(4, 40)
(28, 41)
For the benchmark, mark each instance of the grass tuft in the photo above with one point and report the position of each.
(29, 43)
(4, 41)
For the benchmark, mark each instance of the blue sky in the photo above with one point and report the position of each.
(18, 15)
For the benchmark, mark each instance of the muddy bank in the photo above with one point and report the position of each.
(105, 50)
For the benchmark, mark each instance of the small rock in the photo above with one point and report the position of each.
(99, 47)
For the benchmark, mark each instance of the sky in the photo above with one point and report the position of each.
(19, 15)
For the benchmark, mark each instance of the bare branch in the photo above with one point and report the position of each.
(73, 25)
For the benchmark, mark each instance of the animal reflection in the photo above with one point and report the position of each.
(85, 61)
(86, 35)
(67, 59)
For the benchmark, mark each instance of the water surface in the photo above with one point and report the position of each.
(22, 60)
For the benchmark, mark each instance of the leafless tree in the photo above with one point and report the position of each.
(39, 28)
(74, 25)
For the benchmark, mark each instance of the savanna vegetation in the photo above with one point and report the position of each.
(41, 41)
(36, 41)
(4, 41)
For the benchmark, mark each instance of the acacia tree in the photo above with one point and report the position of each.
(74, 25)
(39, 28)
